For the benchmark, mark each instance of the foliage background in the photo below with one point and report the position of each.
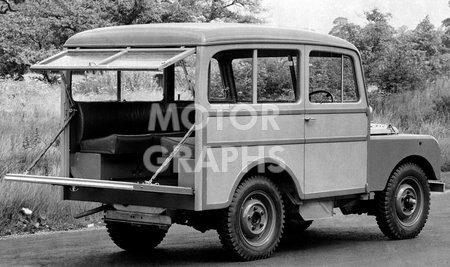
(35, 29)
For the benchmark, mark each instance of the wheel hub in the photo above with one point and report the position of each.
(406, 200)
(254, 218)
(257, 219)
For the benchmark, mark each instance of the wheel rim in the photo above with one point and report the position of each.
(257, 219)
(409, 201)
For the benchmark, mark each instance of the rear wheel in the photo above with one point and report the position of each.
(135, 238)
(252, 226)
(403, 206)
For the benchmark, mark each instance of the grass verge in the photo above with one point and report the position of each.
(29, 117)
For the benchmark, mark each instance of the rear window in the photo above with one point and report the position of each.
(102, 85)
(136, 85)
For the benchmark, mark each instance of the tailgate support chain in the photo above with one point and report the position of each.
(66, 123)
(171, 156)
(72, 111)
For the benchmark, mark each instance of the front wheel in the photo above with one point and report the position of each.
(252, 226)
(403, 206)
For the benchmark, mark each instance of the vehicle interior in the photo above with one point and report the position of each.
(121, 114)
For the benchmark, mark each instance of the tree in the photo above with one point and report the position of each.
(396, 60)
(426, 38)
(7, 6)
(373, 40)
(35, 29)
(141, 11)
(344, 29)
(401, 67)
(376, 38)
(446, 35)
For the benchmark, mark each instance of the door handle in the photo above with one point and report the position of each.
(309, 119)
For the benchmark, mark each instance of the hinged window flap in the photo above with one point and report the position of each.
(114, 59)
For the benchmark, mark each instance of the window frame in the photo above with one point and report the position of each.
(230, 75)
(343, 54)
(114, 59)
(168, 79)
(118, 91)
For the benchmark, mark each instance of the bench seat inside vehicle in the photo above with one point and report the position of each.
(110, 138)
(118, 144)
(117, 128)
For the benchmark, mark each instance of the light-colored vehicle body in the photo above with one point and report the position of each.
(325, 150)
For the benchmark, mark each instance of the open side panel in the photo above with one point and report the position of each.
(114, 59)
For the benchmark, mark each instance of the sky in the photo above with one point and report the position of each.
(318, 15)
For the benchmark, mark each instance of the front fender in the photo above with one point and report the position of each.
(385, 152)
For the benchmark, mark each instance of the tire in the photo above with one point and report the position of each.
(135, 238)
(403, 206)
(252, 226)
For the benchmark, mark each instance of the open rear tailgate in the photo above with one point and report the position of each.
(93, 183)
(115, 192)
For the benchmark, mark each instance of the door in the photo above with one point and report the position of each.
(336, 123)
(253, 104)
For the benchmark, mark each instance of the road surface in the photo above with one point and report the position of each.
(340, 241)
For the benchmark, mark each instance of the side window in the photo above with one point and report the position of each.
(331, 78)
(102, 85)
(94, 85)
(231, 76)
(242, 72)
(217, 90)
(142, 85)
(276, 76)
(184, 79)
(350, 86)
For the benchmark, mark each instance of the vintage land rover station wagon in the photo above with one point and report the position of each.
(254, 131)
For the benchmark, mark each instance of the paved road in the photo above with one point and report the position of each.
(340, 241)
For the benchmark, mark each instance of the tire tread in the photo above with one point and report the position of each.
(227, 233)
(384, 218)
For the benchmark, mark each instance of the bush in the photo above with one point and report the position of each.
(424, 111)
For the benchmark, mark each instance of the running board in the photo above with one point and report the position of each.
(103, 184)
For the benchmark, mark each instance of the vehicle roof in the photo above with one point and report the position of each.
(195, 34)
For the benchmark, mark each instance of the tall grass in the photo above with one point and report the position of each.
(424, 111)
(29, 116)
